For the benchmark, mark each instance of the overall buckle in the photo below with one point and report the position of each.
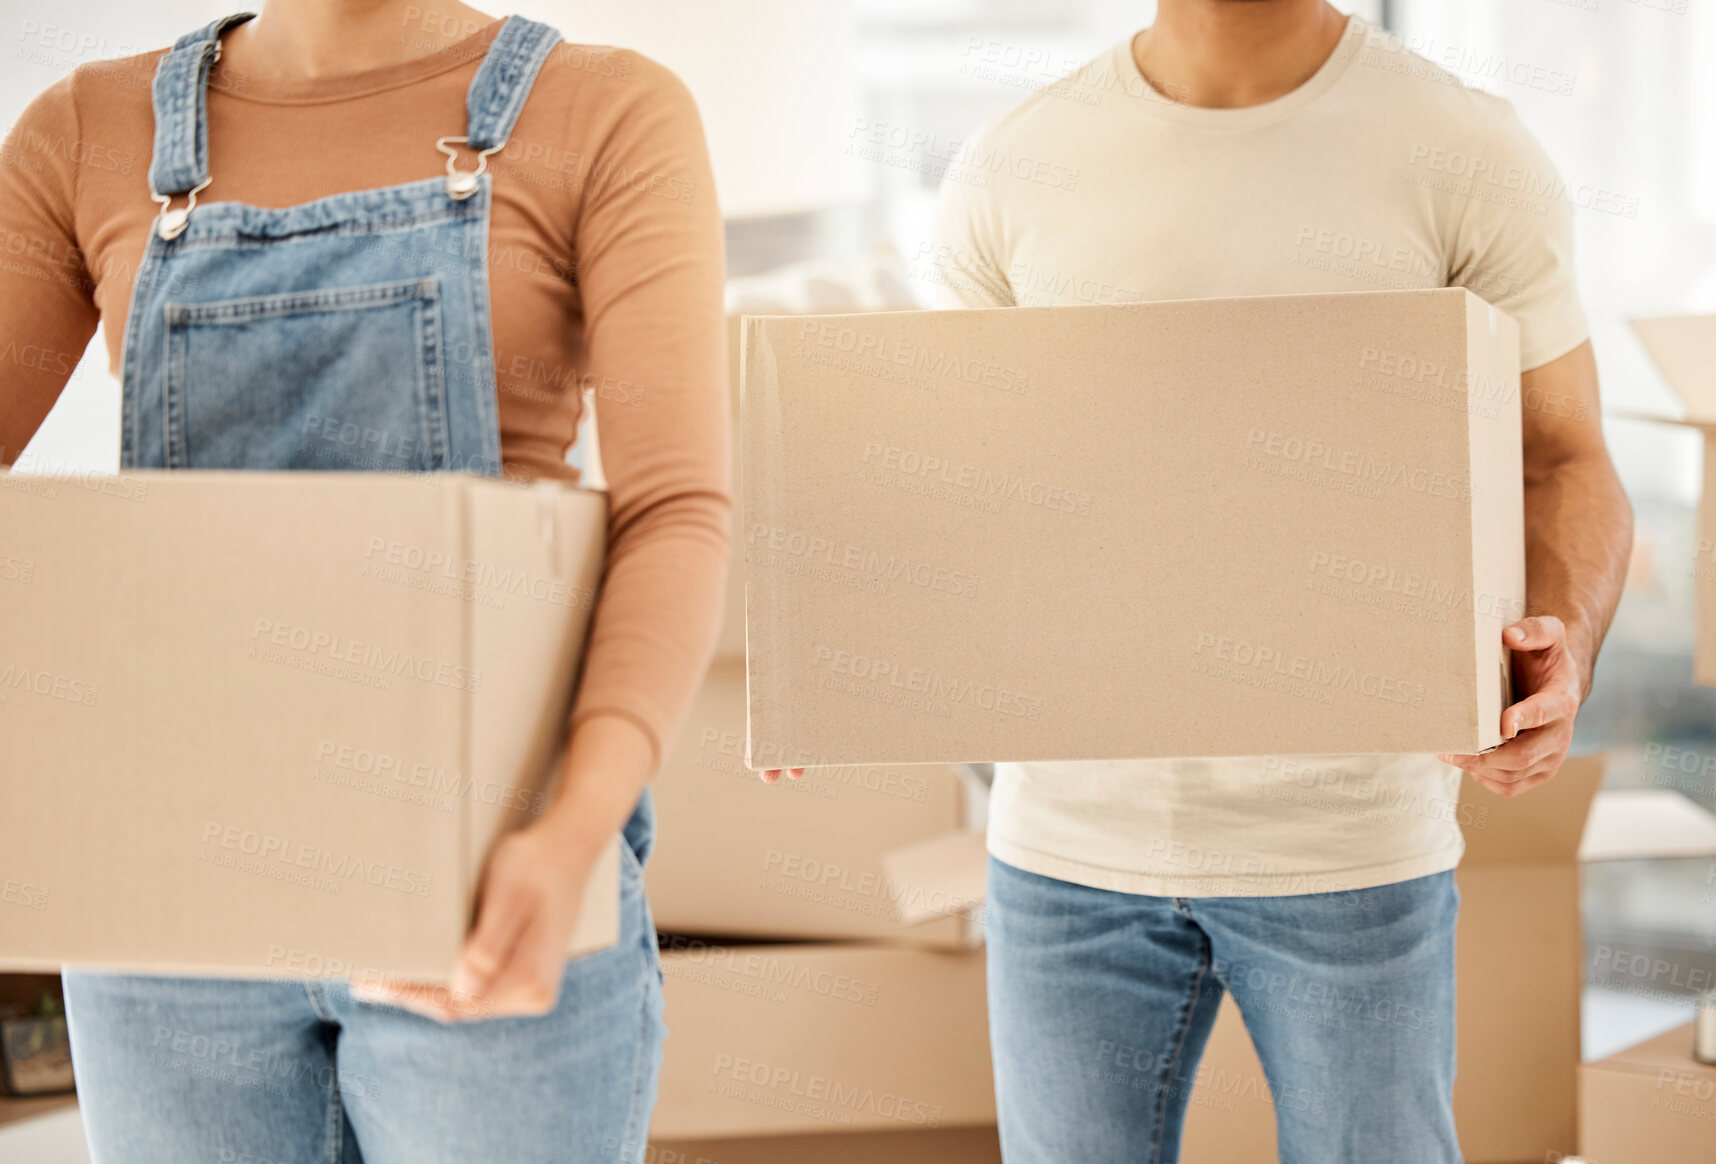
(171, 223)
(461, 184)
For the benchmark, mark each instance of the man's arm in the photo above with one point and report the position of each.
(1578, 534)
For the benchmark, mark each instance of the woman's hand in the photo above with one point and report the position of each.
(773, 775)
(533, 886)
(514, 957)
(528, 907)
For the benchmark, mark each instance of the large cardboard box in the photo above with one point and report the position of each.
(775, 1040)
(1520, 955)
(730, 639)
(938, 1146)
(1282, 525)
(1684, 348)
(269, 724)
(1650, 1104)
(799, 859)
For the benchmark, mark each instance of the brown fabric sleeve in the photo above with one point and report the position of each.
(47, 306)
(651, 267)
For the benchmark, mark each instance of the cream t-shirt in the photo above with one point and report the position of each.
(1381, 171)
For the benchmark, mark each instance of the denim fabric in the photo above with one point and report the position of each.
(352, 332)
(1100, 1004)
(215, 1071)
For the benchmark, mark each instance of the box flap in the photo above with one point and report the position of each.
(1541, 827)
(1706, 427)
(1684, 350)
(1628, 824)
(942, 876)
(1669, 1051)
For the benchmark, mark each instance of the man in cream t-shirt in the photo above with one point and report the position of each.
(1300, 152)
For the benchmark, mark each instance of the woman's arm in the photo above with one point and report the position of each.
(47, 305)
(650, 269)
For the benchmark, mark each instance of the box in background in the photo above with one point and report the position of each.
(996, 535)
(776, 1040)
(1684, 349)
(270, 723)
(1650, 1104)
(803, 858)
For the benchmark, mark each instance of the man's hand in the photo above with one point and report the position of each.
(1539, 728)
(515, 955)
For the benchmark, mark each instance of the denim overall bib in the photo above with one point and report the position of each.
(348, 333)
(352, 332)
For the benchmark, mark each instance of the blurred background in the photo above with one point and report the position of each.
(796, 94)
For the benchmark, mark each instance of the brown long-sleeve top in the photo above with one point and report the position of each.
(606, 268)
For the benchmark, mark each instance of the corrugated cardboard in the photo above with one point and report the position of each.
(941, 1146)
(1684, 348)
(799, 859)
(950, 873)
(1519, 954)
(265, 723)
(1214, 527)
(1650, 1104)
(730, 640)
(772, 1040)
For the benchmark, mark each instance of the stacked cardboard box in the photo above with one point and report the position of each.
(1650, 1104)
(858, 1033)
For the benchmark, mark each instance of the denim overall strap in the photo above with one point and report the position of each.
(352, 332)
(181, 161)
(504, 80)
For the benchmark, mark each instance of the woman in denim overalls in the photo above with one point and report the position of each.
(253, 333)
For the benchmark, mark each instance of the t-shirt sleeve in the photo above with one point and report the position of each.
(966, 268)
(1513, 244)
(651, 267)
(47, 305)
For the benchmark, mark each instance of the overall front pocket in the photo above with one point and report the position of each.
(347, 378)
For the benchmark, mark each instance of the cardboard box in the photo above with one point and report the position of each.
(775, 1040)
(1684, 348)
(940, 1146)
(1282, 525)
(1650, 1104)
(1231, 1116)
(799, 859)
(1521, 952)
(264, 723)
(730, 639)
(1519, 980)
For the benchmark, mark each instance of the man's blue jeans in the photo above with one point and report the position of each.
(1100, 1004)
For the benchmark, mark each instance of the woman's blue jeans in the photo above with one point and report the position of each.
(218, 1071)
